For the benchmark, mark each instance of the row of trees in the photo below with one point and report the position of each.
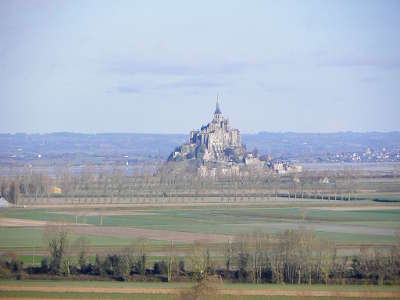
(10, 191)
(295, 257)
(29, 185)
(115, 183)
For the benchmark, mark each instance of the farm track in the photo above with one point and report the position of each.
(13, 222)
(172, 291)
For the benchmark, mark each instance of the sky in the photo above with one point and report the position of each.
(158, 66)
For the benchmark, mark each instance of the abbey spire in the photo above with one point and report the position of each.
(217, 109)
(218, 114)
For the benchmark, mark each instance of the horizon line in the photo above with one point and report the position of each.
(181, 133)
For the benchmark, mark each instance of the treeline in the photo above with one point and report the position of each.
(13, 189)
(293, 257)
(114, 182)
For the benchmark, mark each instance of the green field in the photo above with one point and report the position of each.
(11, 237)
(175, 218)
(377, 225)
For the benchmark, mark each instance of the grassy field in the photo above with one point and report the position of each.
(366, 223)
(204, 215)
(34, 238)
(349, 224)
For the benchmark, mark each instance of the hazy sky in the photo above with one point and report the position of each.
(157, 66)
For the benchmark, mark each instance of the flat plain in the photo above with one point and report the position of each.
(348, 225)
(113, 229)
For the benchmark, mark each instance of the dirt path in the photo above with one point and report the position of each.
(236, 292)
(356, 208)
(12, 222)
(95, 213)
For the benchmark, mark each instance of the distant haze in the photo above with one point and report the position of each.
(23, 148)
(157, 66)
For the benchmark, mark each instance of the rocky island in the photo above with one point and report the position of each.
(217, 150)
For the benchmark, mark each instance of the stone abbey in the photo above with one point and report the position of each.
(215, 141)
(217, 135)
(217, 150)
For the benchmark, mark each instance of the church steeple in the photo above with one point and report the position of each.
(217, 114)
(217, 109)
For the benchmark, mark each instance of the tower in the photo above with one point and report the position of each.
(217, 114)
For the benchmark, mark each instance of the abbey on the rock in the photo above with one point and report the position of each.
(217, 150)
(214, 142)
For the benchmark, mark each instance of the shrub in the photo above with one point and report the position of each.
(44, 265)
(160, 268)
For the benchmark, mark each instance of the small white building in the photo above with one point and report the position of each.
(4, 203)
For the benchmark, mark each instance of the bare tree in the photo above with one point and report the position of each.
(57, 241)
(198, 261)
(14, 192)
(228, 253)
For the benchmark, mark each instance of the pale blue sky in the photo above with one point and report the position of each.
(157, 66)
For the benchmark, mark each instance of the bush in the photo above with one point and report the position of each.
(160, 268)
(4, 272)
(116, 266)
(44, 265)
(16, 266)
(181, 267)
(97, 267)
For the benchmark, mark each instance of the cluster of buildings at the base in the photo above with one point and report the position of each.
(217, 150)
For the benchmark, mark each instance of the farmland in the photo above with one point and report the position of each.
(348, 225)
(161, 227)
(133, 290)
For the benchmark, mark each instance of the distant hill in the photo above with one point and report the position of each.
(134, 144)
(300, 146)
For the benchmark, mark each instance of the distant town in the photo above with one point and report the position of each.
(369, 155)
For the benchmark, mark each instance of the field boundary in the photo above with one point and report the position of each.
(223, 291)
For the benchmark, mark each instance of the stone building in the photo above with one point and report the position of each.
(215, 141)
(217, 150)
